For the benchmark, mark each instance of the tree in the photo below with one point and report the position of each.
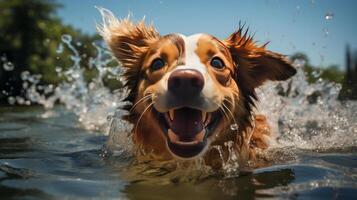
(349, 87)
(30, 34)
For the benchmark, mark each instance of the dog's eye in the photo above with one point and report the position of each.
(217, 63)
(157, 64)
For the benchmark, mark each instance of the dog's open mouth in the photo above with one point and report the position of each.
(187, 130)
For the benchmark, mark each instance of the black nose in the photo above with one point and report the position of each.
(185, 82)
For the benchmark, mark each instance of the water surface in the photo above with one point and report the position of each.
(45, 155)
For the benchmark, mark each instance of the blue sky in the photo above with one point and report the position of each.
(289, 25)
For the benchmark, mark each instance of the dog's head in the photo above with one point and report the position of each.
(189, 89)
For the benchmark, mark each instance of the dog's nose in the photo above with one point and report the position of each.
(185, 82)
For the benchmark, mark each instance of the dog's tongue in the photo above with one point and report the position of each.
(186, 123)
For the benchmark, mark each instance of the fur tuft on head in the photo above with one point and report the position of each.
(128, 41)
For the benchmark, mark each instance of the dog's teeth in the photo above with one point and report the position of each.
(204, 115)
(199, 137)
(172, 136)
(171, 114)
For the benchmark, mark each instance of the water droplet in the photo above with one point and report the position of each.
(104, 153)
(8, 66)
(11, 100)
(25, 75)
(109, 118)
(66, 38)
(325, 31)
(48, 89)
(58, 69)
(25, 85)
(76, 75)
(234, 127)
(316, 74)
(20, 100)
(59, 48)
(91, 85)
(329, 16)
(299, 62)
(3, 58)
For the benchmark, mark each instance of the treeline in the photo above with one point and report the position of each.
(349, 85)
(30, 34)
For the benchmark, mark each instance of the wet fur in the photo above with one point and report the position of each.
(253, 64)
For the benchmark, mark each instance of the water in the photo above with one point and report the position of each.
(52, 157)
(234, 127)
(7, 65)
(81, 148)
(329, 16)
(325, 32)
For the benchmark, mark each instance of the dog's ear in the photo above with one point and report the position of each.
(254, 63)
(128, 41)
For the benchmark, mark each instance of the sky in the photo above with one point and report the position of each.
(290, 25)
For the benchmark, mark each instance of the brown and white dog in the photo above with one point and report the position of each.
(186, 91)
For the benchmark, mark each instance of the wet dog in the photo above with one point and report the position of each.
(189, 93)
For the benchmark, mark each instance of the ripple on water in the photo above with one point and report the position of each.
(8, 127)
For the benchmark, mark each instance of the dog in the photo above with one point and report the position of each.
(188, 94)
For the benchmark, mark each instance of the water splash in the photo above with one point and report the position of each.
(309, 116)
(118, 141)
(92, 102)
(230, 165)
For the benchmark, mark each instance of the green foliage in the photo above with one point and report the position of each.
(29, 37)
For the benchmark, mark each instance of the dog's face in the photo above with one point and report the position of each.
(191, 87)
(189, 80)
